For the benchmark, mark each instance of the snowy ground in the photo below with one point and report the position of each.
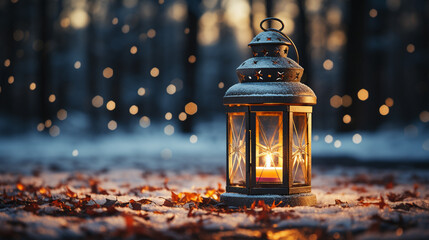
(135, 185)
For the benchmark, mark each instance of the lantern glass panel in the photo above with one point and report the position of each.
(269, 147)
(237, 148)
(300, 154)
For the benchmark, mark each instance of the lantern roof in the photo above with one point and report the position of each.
(270, 76)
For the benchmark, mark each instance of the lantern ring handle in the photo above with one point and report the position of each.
(290, 40)
(273, 19)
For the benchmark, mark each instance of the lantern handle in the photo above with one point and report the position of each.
(280, 31)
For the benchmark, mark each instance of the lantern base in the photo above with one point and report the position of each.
(238, 200)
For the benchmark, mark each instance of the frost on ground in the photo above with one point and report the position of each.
(360, 203)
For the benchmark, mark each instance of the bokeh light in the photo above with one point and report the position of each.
(363, 94)
(108, 72)
(111, 105)
(144, 122)
(191, 108)
(384, 110)
(133, 110)
(97, 101)
(112, 125)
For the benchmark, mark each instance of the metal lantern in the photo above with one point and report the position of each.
(269, 127)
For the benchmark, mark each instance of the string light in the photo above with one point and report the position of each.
(52, 98)
(191, 108)
(6, 62)
(389, 102)
(151, 33)
(347, 119)
(112, 125)
(329, 138)
(328, 64)
(373, 13)
(337, 144)
(62, 114)
(77, 64)
(336, 101)
(384, 110)
(182, 116)
(171, 89)
(54, 131)
(10, 80)
(108, 72)
(192, 59)
(169, 130)
(221, 85)
(347, 101)
(144, 122)
(32, 86)
(40, 127)
(363, 94)
(134, 110)
(97, 101)
(154, 72)
(133, 50)
(357, 138)
(111, 105)
(75, 153)
(168, 116)
(193, 139)
(48, 123)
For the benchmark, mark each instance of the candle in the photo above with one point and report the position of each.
(268, 173)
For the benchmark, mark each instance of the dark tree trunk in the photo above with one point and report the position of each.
(190, 68)
(269, 10)
(305, 60)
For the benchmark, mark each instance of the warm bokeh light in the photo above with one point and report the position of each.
(424, 116)
(192, 59)
(191, 108)
(133, 110)
(111, 105)
(48, 123)
(6, 62)
(193, 139)
(75, 153)
(384, 110)
(65, 22)
(337, 144)
(144, 122)
(40, 127)
(363, 94)
(32, 86)
(169, 130)
(221, 85)
(10, 79)
(125, 29)
(347, 101)
(328, 64)
(112, 125)
(77, 64)
(141, 91)
(336, 101)
(411, 48)
(54, 131)
(52, 98)
(168, 116)
(115, 21)
(62, 114)
(357, 138)
(389, 102)
(182, 116)
(97, 101)
(373, 13)
(151, 33)
(79, 18)
(171, 89)
(108, 72)
(177, 11)
(154, 72)
(209, 31)
(133, 50)
(347, 119)
(329, 138)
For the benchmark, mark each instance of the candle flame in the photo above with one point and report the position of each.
(268, 160)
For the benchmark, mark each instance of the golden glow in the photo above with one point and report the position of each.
(208, 32)
(77, 64)
(182, 116)
(112, 125)
(337, 144)
(268, 159)
(108, 72)
(115, 21)
(389, 102)
(336, 40)
(141, 91)
(79, 18)
(54, 131)
(32, 86)
(177, 11)
(171, 89)
(125, 29)
(329, 138)
(373, 13)
(424, 116)
(186, 31)
(384, 110)
(192, 59)
(62, 114)
(193, 139)
(363, 94)
(97, 101)
(347, 119)
(328, 64)
(347, 101)
(6, 63)
(154, 72)
(168, 116)
(169, 130)
(191, 108)
(336, 101)
(357, 138)
(151, 33)
(10, 80)
(111, 105)
(40, 127)
(144, 122)
(411, 48)
(48, 123)
(221, 85)
(133, 50)
(65, 22)
(134, 110)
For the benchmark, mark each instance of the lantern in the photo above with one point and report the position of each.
(269, 127)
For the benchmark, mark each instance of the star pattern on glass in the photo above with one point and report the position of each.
(237, 152)
(258, 75)
(269, 146)
(299, 155)
(280, 76)
(241, 77)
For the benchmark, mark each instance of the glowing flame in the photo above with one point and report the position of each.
(268, 160)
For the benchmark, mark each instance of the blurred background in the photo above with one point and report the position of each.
(86, 68)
